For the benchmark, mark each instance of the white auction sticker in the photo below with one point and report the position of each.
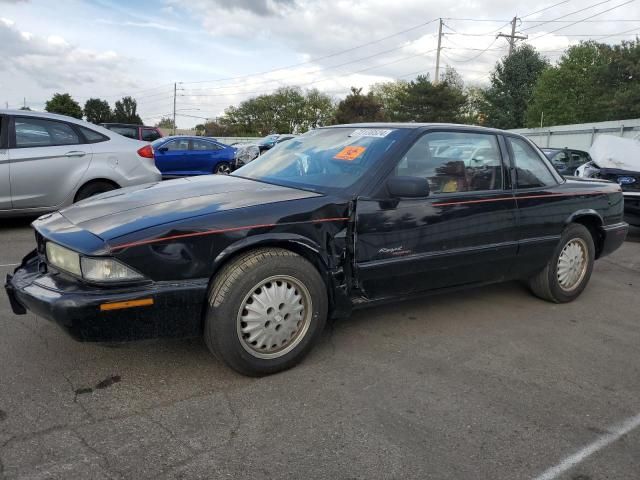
(371, 132)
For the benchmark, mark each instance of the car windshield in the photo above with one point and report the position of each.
(323, 160)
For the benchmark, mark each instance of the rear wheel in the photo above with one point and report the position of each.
(223, 168)
(266, 309)
(566, 275)
(94, 188)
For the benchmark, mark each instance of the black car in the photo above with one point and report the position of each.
(137, 132)
(566, 160)
(271, 141)
(339, 218)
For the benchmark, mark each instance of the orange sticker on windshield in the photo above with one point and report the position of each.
(350, 153)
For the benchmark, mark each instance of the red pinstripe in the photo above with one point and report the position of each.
(222, 230)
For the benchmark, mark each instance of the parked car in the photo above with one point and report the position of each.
(339, 218)
(183, 156)
(49, 161)
(137, 132)
(245, 153)
(566, 160)
(618, 160)
(271, 141)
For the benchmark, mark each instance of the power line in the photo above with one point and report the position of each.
(482, 52)
(544, 9)
(320, 80)
(424, 24)
(566, 15)
(349, 62)
(580, 21)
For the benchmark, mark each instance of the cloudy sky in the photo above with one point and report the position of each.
(223, 51)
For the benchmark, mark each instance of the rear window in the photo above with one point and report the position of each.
(131, 132)
(150, 134)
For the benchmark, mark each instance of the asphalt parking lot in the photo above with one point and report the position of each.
(489, 383)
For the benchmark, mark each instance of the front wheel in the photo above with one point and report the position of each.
(223, 168)
(568, 271)
(266, 309)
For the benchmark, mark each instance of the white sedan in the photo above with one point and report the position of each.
(49, 161)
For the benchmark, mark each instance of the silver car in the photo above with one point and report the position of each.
(49, 161)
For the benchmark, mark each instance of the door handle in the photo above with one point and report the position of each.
(75, 153)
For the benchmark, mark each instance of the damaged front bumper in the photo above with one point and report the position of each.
(174, 309)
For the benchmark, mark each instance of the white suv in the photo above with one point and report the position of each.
(49, 161)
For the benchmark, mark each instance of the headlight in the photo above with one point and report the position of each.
(95, 269)
(63, 258)
(107, 270)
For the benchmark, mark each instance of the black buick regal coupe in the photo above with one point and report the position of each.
(336, 219)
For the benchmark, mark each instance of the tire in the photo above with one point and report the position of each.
(223, 168)
(276, 333)
(553, 283)
(93, 188)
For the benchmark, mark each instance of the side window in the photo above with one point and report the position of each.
(177, 145)
(204, 145)
(36, 132)
(560, 159)
(531, 170)
(455, 162)
(150, 134)
(93, 137)
(578, 158)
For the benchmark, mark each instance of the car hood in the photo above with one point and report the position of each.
(127, 210)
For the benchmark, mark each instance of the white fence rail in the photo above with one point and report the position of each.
(580, 136)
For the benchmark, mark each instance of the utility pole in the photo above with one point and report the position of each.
(175, 89)
(513, 37)
(24, 102)
(437, 77)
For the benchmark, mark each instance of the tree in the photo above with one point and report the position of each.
(125, 111)
(166, 122)
(426, 102)
(97, 111)
(200, 129)
(357, 107)
(512, 84)
(63, 104)
(592, 82)
(390, 94)
(287, 110)
(25, 108)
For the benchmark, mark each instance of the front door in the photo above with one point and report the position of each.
(172, 157)
(463, 232)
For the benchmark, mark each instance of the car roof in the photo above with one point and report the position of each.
(420, 125)
(56, 116)
(190, 137)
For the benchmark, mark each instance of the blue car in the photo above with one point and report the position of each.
(182, 156)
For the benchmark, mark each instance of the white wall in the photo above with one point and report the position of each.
(580, 136)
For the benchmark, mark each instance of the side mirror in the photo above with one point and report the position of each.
(411, 187)
(163, 149)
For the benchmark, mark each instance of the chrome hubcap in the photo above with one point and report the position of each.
(274, 317)
(572, 264)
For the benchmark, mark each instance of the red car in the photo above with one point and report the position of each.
(137, 132)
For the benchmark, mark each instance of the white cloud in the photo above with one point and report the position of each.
(54, 63)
